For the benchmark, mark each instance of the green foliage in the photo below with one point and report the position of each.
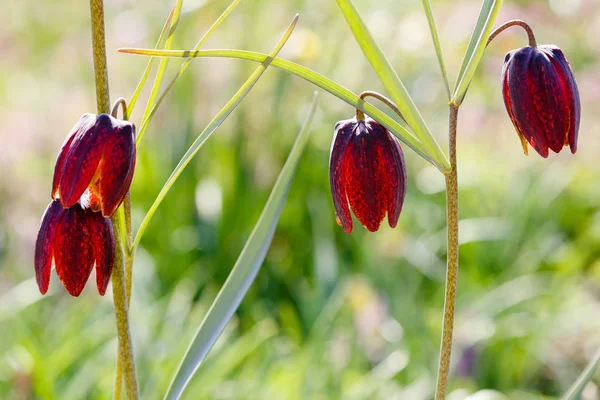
(388, 76)
(330, 315)
(477, 43)
(245, 269)
(210, 128)
(437, 45)
(311, 76)
(575, 391)
(160, 74)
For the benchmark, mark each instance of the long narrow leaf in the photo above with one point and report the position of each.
(212, 126)
(390, 79)
(142, 82)
(574, 393)
(436, 43)
(160, 73)
(486, 8)
(245, 270)
(231, 358)
(477, 43)
(183, 67)
(316, 79)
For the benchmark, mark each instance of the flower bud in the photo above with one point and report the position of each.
(74, 240)
(99, 155)
(366, 173)
(542, 98)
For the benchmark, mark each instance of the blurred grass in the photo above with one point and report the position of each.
(330, 315)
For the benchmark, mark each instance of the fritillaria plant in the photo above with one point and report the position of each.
(366, 173)
(83, 226)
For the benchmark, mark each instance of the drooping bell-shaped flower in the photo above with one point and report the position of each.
(541, 97)
(99, 155)
(366, 173)
(74, 240)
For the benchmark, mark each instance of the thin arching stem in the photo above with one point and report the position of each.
(360, 116)
(115, 108)
(514, 22)
(452, 260)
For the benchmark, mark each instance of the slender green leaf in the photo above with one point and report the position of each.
(316, 79)
(160, 73)
(390, 79)
(231, 357)
(212, 126)
(244, 271)
(159, 44)
(437, 45)
(477, 43)
(574, 393)
(486, 8)
(184, 66)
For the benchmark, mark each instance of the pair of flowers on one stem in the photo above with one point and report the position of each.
(367, 171)
(92, 176)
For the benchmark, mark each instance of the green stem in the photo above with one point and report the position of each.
(128, 234)
(120, 103)
(99, 51)
(118, 379)
(514, 22)
(361, 116)
(128, 275)
(452, 260)
(125, 362)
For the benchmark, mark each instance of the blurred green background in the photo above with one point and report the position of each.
(330, 315)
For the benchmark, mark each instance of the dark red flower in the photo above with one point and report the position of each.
(74, 240)
(99, 155)
(542, 98)
(366, 173)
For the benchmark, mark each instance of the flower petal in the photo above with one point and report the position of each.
(508, 103)
(365, 178)
(569, 87)
(521, 98)
(73, 251)
(60, 160)
(116, 167)
(83, 157)
(44, 245)
(549, 99)
(392, 160)
(103, 243)
(342, 135)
